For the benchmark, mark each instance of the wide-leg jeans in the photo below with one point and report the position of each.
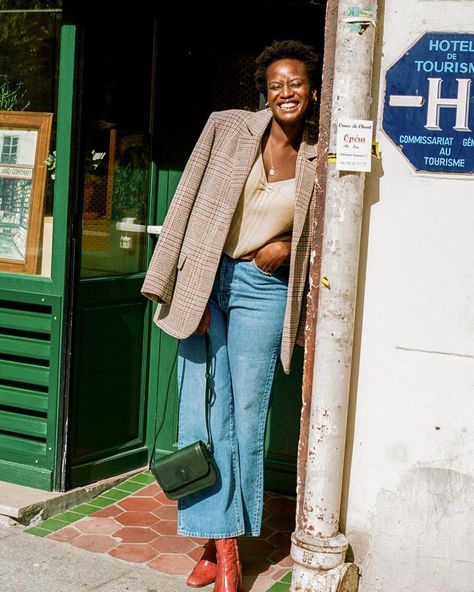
(247, 311)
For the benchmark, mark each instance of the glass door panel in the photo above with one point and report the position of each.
(116, 156)
(108, 390)
(116, 187)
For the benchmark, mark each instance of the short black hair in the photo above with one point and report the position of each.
(289, 49)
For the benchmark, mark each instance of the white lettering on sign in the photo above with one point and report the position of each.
(406, 101)
(436, 102)
(437, 140)
(439, 161)
(451, 45)
(443, 67)
(16, 172)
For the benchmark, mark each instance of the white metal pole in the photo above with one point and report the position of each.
(318, 549)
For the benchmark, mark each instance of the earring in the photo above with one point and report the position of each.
(267, 104)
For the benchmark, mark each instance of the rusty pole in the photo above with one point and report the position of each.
(317, 236)
(318, 549)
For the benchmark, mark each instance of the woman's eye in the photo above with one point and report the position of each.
(294, 85)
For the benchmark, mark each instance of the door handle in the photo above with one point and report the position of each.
(155, 230)
(128, 225)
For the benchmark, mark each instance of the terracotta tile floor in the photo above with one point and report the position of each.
(141, 528)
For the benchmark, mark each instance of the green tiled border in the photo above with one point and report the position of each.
(107, 498)
(282, 585)
(146, 478)
(37, 531)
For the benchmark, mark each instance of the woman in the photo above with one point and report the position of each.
(232, 261)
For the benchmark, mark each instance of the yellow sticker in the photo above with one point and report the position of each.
(375, 150)
(325, 282)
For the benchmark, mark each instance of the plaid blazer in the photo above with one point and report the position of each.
(185, 261)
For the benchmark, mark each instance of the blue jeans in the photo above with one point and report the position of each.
(247, 310)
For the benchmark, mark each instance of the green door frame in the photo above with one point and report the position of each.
(35, 305)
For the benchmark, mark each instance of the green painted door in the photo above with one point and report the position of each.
(108, 395)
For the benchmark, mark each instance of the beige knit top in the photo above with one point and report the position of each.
(264, 213)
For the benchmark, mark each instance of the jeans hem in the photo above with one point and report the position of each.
(207, 535)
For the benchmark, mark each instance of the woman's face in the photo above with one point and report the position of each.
(289, 92)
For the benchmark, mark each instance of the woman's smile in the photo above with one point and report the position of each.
(288, 106)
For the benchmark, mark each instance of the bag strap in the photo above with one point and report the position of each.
(209, 389)
(208, 397)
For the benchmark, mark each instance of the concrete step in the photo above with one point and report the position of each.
(28, 506)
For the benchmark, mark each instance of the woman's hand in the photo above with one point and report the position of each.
(205, 321)
(269, 257)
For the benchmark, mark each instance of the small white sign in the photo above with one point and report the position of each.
(16, 172)
(354, 145)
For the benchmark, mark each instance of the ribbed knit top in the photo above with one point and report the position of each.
(264, 213)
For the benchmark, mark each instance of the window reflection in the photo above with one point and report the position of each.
(116, 160)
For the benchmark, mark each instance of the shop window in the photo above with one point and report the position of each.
(29, 60)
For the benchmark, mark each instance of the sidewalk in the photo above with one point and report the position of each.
(125, 540)
(31, 564)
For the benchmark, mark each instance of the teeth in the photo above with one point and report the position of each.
(288, 106)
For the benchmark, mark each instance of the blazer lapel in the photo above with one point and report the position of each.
(245, 154)
(305, 178)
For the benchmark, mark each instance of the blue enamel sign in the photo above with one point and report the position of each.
(429, 103)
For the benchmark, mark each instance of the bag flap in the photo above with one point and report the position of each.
(184, 466)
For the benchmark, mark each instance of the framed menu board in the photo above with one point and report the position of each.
(24, 147)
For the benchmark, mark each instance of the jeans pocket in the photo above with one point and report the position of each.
(261, 270)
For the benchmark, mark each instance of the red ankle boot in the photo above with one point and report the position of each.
(204, 571)
(229, 568)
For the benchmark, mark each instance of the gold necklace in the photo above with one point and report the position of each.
(272, 170)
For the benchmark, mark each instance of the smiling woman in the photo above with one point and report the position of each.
(232, 262)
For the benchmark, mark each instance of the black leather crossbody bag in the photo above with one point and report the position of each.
(191, 468)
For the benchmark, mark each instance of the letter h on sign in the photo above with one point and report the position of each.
(436, 102)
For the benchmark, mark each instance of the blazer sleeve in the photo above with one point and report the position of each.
(161, 275)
